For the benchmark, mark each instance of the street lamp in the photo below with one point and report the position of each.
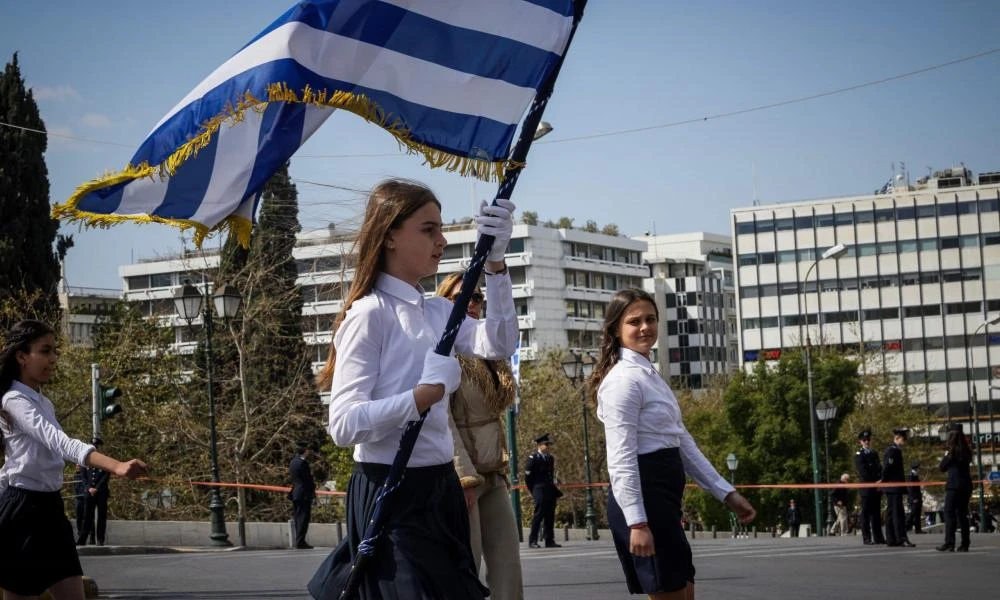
(835, 252)
(544, 128)
(732, 462)
(189, 303)
(825, 412)
(975, 408)
(577, 370)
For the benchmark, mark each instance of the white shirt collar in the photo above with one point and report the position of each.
(412, 294)
(634, 358)
(27, 391)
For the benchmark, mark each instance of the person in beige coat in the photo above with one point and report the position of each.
(481, 459)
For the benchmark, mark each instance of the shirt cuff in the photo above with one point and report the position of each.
(721, 488)
(81, 458)
(634, 514)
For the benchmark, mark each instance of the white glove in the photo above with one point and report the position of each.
(498, 222)
(441, 370)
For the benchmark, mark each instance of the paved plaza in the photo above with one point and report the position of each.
(801, 569)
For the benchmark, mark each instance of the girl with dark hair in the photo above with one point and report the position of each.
(649, 454)
(37, 550)
(383, 372)
(958, 489)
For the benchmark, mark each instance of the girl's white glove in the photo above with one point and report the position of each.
(441, 370)
(496, 220)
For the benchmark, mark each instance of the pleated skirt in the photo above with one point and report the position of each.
(671, 568)
(37, 548)
(424, 553)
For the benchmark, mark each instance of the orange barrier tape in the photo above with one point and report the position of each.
(571, 486)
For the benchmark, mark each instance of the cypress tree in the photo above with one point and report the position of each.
(28, 265)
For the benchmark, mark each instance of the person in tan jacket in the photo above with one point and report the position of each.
(481, 459)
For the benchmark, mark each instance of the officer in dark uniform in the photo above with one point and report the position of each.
(96, 494)
(303, 492)
(539, 476)
(895, 526)
(916, 497)
(869, 471)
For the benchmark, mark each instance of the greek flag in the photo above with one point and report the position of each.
(449, 79)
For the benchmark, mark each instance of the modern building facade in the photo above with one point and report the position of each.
(691, 277)
(82, 309)
(563, 278)
(920, 277)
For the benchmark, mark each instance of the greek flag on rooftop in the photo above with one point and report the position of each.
(450, 79)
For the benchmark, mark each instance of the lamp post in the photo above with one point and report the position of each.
(732, 462)
(189, 303)
(835, 252)
(984, 326)
(825, 412)
(577, 371)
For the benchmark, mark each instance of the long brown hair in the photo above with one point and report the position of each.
(389, 204)
(18, 339)
(611, 344)
(958, 446)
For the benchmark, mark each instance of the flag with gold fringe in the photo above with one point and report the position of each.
(449, 79)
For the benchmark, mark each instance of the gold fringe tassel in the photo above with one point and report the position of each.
(232, 114)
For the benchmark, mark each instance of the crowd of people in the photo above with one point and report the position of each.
(892, 524)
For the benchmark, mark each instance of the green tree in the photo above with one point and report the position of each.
(610, 229)
(705, 418)
(551, 404)
(591, 227)
(27, 231)
(768, 410)
(529, 217)
(267, 399)
(564, 223)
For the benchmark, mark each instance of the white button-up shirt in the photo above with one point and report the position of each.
(35, 447)
(381, 345)
(641, 415)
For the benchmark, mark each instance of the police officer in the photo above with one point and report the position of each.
(869, 470)
(895, 526)
(539, 476)
(916, 500)
(303, 492)
(96, 494)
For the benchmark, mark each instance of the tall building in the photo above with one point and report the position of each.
(82, 309)
(920, 276)
(691, 277)
(563, 278)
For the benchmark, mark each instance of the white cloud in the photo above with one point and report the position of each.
(59, 92)
(95, 120)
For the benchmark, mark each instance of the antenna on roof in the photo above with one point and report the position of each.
(753, 167)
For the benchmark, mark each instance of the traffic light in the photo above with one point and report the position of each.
(109, 406)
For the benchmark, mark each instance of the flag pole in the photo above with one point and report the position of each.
(366, 549)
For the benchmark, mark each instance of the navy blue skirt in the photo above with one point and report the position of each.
(424, 553)
(671, 568)
(37, 548)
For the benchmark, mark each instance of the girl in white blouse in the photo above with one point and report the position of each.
(383, 372)
(37, 549)
(649, 454)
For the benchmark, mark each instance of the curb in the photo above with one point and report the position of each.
(119, 550)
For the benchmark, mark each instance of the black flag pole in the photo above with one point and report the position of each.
(383, 504)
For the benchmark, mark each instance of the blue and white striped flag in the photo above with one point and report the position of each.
(450, 79)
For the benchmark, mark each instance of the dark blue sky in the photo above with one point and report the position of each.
(110, 70)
